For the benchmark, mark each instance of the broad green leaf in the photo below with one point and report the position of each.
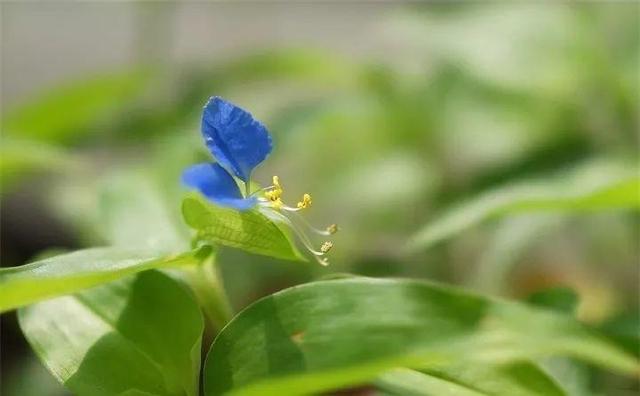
(140, 335)
(518, 379)
(594, 186)
(249, 230)
(325, 335)
(69, 273)
(407, 382)
(61, 113)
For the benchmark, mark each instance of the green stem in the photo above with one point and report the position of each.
(207, 285)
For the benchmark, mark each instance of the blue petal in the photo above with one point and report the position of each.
(234, 137)
(215, 183)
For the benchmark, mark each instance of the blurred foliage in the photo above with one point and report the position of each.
(466, 102)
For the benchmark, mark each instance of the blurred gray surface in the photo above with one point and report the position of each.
(45, 42)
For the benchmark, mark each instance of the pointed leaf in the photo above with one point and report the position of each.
(594, 186)
(325, 335)
(69, 273)
(136, 336)
(518, 379)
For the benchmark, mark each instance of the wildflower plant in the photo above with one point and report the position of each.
(132, 318)
(240, 143)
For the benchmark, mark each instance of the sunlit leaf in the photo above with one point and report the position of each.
(139, 336)
(249, 230)
(597, 186)
(325, 335)
(517, 379)
(69, 273)
(407, 382)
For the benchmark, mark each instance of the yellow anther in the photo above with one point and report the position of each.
(326, 246)
(306, 201)
(332, 229)
(275, 193)
(276, 183)
(277, 203)
(270, 195)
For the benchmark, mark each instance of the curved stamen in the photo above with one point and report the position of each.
(330, 230)
(291, 209)
(304, 238)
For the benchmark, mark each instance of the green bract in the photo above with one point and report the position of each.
(249, 230)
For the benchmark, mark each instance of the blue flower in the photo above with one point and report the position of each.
(215, 183)
(234, 137)
(240, 143)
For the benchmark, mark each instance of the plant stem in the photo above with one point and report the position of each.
(207, 285)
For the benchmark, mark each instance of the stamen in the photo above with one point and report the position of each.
(304, 238)
(305, 203)
(326, 247)
(330, 230)
(253, 194)
(273, 200)
(276, 183)
(291, 209)
(274, 193)
(277, 204)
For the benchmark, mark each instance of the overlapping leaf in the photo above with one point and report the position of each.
(325, 335)
(518, 379)
(138, 336)
(69, 273)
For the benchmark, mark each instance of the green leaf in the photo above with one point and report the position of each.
(517, 379)
(69, 273)
(407, 382)
(63, 112)
(140, 335)
(325, 335)
(594, 186)
(249, 230)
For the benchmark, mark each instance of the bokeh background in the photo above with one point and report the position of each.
(389, 113)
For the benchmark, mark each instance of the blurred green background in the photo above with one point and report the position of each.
(389, 114)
